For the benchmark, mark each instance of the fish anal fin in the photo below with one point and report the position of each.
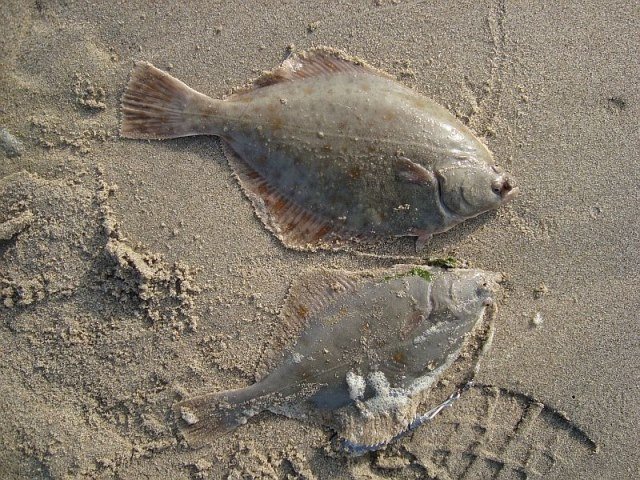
(423, 237)
(315, 62)
(294, 225)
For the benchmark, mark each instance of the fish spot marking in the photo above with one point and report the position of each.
(419, 102)
(355, 172)
(388, 116)
(276, 122)
(400, 357)
(413, 322)
(302, 311)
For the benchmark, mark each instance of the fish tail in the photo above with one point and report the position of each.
(209, 416)
(156, 105)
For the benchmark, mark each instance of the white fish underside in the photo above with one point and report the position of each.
(365, 350)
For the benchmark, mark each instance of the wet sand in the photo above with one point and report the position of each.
(134, 274)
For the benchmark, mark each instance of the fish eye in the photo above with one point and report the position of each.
(497, 186)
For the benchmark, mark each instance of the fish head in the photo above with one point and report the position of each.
(464, 294)
(469, 188)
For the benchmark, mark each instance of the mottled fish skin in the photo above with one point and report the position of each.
(369, 340)
(330, 149)
(332, 145)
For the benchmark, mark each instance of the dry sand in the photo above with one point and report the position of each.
(134, 274)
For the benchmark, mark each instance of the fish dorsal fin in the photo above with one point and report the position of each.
(294, 225)
(315, 62)
(309, 294)
(314, 290)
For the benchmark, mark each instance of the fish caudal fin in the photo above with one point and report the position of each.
(209, 416)
(156, 105)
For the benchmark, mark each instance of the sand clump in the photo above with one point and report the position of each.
(15, 224)
(165, 293)
(71, 291)
(51, 133)
(88, 94)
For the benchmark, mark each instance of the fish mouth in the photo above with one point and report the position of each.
(496, 277)
(510, 195)
(505, 186)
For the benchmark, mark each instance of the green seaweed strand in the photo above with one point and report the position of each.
(420, 272)
(449, 262)
(414, 272)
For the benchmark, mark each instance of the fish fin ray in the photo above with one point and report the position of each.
(311, 292)
(294, 225)
(315, 62)
(412, 172)
(156, 106)
(314, 290)
(422, 239)
(206, 417)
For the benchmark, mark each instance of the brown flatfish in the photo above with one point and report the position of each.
(330, 150)
(364, 351)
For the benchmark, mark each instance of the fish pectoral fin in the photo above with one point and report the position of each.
(316, 62)
(414, 173)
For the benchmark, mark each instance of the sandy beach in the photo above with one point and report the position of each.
(135, 274)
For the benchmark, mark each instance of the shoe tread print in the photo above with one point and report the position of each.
(496, 433)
